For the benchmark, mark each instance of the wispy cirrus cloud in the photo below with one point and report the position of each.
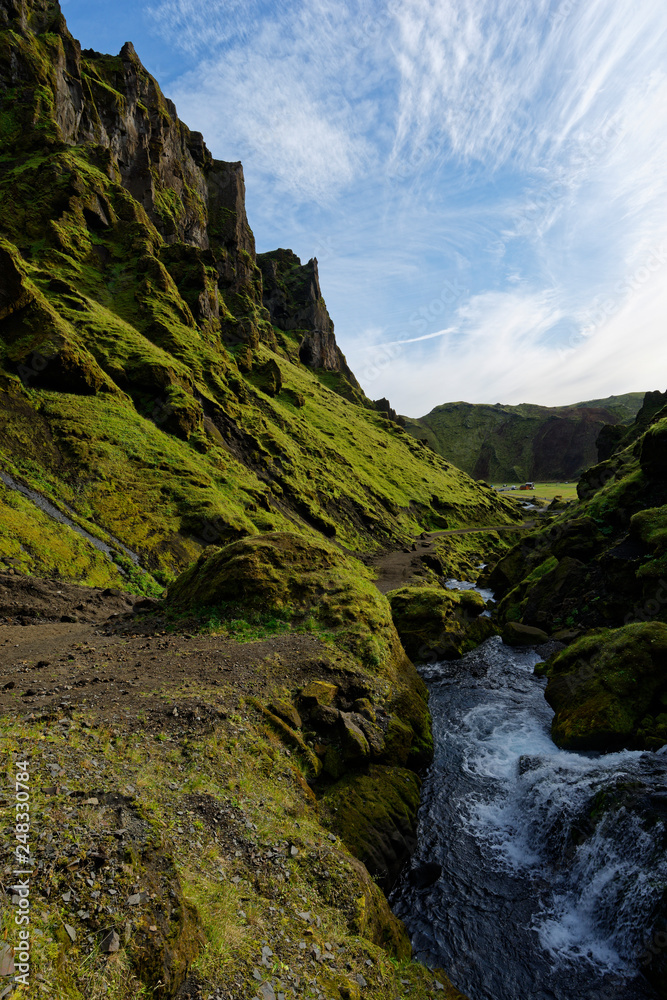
(287, 87)
(513, 150)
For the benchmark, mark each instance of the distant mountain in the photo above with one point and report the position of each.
(512, 443)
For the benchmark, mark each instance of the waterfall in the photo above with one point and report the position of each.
(554, 868)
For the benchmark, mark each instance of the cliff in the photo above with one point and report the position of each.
(157, 379)
(502, 443)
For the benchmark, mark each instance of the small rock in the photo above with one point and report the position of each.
(518, 634)
(318, 693)
(287, 712)
(70, 932)
(110, 943)
(6, 960)
(355, 744)
(359, 979)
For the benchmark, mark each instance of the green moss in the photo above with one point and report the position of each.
(370, 811)
(309, 577)
(608, 689)
(432, 622)
(544, 567)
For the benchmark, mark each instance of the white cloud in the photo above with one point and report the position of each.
(502, 346)
(291, 92)
(510, 150)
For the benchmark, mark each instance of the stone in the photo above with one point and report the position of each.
(286, 711)
(517, 634)
(318, 693)
(324, 717)
(110, 943)
(6, 960)
(373, 733)
(355, 744)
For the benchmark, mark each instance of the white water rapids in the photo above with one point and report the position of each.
(551, 872)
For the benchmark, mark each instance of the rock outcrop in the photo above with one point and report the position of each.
(293, 297)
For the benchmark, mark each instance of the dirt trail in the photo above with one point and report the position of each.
(399, 568)
(66, 649)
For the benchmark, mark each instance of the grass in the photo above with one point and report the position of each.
(543, 491)
(241, 903)
(244, 624)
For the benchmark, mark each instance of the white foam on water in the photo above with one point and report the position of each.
(530, 809)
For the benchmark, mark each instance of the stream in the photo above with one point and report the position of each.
(541, 897)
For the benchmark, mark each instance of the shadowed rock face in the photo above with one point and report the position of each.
(114, 103)
(293, 296)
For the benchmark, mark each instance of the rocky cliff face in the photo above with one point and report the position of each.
(109, 105)
(112, 103)
(155, 376)
(293, 296)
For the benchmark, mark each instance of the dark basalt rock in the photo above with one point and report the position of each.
(425, 875)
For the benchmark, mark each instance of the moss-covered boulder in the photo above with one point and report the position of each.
(434, 624)
(375, 815)
(609, 689)
(516, 634)
(296, 575)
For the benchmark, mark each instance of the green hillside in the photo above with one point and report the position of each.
(503, 443)
(160, 385)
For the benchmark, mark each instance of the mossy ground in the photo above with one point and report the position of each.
(218, 806)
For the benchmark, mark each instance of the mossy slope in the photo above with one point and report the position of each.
(142, 380)
(516, 443)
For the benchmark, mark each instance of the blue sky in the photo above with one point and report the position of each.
(483, 182)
